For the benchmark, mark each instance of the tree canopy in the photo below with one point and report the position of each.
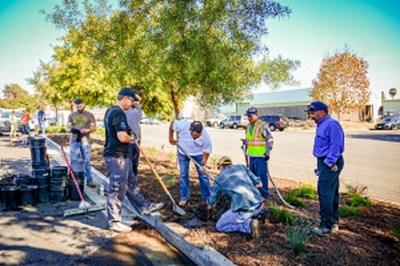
(16, 97)
(171, 48)
(342, 82)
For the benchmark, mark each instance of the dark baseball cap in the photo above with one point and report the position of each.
(128, 92)
(251, 111)
(196, 126)
(316, 106)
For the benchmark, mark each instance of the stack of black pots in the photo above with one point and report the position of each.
(58, 181)
(40, 169)
(20, 192)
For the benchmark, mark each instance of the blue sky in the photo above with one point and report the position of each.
(370, 28)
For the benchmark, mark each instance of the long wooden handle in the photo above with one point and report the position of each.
(152, 169)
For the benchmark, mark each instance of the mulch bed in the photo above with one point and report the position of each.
(363, 240)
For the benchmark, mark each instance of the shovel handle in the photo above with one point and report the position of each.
(154, 171)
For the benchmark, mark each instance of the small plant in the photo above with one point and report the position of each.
(358, 200)
(394, 233)
(214, 160)
(346, 211)
(282, 215)
(293, 199)
(172, 156)
(152, 150)
(100, 132)
(355, 190)
(298, 235)
(170, 180)
(56, 129)
(307, 191)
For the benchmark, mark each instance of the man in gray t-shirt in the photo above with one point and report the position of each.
(81, 123)
(133, 116)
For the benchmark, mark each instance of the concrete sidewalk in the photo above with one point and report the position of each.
(39, 235)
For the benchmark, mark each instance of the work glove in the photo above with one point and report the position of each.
(75, 130)
(266, 158)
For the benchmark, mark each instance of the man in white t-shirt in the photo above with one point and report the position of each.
(197, 143)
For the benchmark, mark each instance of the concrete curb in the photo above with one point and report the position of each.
(205, 256)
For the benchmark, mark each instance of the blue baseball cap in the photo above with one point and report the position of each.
(128, 92)
(251, 111)
(317, 106)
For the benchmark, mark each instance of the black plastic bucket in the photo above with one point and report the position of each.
(73, 192)
(58, 194)
(43, 193)
(1, 190)
(24, 180)
(38, 150)
(59, 173)
(41, 176)
(28, 195)
(10, 197)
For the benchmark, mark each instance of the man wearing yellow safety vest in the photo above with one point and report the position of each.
(259, 145)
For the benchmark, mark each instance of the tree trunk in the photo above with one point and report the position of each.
(175, 102)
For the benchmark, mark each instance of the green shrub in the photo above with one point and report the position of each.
(172, 156)
(214, 160)
(357, 200)
(307, 191)
(355, 190)
(298, 235)
(346, 211)
(293, 199)
(282, 215)
(100, 132)
(56, 129)
(170, 180)
(152, 150)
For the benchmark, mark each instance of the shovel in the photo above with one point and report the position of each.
(194, 161)
(175, 207)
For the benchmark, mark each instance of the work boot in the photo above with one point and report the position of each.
(119, 227)
(254, 227)
(321, 230)
(90, 184)
(262, 216)
(154, 207)
(183, 202)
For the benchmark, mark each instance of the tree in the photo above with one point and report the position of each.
(171, 48)
(392, 92)
(342, 82)
(16, 97)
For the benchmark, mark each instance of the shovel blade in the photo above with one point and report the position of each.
(178, 210)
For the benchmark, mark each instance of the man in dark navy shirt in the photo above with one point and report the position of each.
(328, 149)
(119, 166)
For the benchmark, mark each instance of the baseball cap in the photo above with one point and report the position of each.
(196, 126)
(251, 111)
(224, 160)
(128, 92)
(316, 106)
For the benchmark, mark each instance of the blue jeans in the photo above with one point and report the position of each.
(184, 177)
(259, 167)
(122, 182)
(328, 192)
(25, 129)
(134, 155)
(232, 221)
(42, 126)
(81, 149)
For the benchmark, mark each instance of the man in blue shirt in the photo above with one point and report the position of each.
(328, 149)
(241, 186)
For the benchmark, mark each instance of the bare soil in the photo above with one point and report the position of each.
(362, 240)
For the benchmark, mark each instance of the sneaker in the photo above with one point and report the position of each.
(90, 184)
(321, 230)
(335, 228)
(119, 227)
(183, 202)
(154, 207)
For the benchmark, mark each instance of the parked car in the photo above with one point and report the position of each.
(150, 121)
(5, 125)
(279, 122)
(388, 123)
(216, 120)
(235, 121)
